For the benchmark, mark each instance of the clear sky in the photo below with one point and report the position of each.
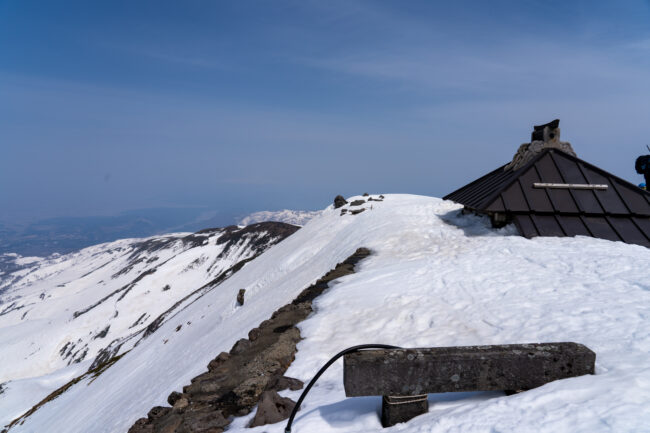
(113, 105)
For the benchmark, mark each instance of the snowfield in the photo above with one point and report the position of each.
(295, 217)
(435, 278)
(63, 314)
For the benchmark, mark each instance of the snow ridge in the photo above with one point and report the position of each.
(435, 278)
(295, 217)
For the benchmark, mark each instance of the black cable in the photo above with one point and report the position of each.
(287, 429)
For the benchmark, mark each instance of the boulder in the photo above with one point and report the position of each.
(220, 359)
(157, 412)
(173, 397)
(141, 426)
(339, 201)
(284, 382)
(254, 334)
(181, 404)
(209, 421)
(169, 424)
(240, 346)
(240, 296)
(272, 408)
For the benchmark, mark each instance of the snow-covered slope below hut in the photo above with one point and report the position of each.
(61, 315)
(435, 278)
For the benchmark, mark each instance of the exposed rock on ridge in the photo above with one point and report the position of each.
(235, 381)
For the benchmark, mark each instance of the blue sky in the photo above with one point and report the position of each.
(107, 106)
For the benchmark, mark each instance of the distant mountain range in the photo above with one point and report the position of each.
(65, 235)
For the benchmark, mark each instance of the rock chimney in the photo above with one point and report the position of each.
(543, 137)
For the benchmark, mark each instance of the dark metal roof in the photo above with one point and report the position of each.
(619, 212)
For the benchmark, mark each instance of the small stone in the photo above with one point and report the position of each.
(272, 408)
(247, 393)
(358, 211)
(240, 296)
(343, 211)
(243, 411)
(365, 194)
(169, 424)
(357, 203)
(254, 334)
(158, 412)
(284, 382)
(339, 201)
(140, 426)
(209, 421)
(220, 359)
(181, 404)
(173, 397)
(240, 346)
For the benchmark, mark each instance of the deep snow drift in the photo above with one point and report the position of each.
(435, 278)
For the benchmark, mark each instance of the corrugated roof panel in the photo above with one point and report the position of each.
(573, 225)
(474, 193)
(628, 231)
(561, 199)
(536, 197)
(547, 225)
(643, 223)
(481, 194)
(637, 203)
(514, 199)
(600, 228)
(571, 173)
(496, 205)
(548, 170)
(525, 225)
(608, 198)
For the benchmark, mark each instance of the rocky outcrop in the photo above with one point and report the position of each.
(251, 372)
(339, 201)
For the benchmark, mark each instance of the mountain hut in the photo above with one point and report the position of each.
(546, 190)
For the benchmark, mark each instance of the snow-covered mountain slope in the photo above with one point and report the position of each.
(295, 217)
(435, 278)
(93, 304)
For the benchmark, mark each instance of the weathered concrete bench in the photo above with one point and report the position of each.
(404, 377)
